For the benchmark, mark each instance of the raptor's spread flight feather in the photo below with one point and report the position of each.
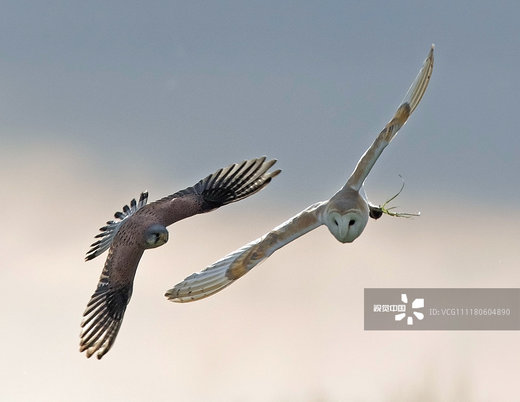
(345, 214)
(141, 226)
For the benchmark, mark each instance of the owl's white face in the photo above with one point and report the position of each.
(346, 216)
(348, 226)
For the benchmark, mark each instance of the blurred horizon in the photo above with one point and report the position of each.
(292, 329)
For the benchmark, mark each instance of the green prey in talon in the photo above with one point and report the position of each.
(377, 212)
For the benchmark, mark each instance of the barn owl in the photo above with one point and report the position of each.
(345, 214)
(140, 227)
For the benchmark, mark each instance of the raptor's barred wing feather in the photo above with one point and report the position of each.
(104, 314)
(232, 183)
(109, 231)
(103, 318)
(227, 270)
(410, 102)
(223, 187)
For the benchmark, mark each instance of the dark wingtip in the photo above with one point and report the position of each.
(276, 173)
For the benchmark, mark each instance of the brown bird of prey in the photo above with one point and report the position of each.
(345, 214)
(140, 227)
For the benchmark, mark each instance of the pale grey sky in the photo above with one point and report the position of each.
(176, 89)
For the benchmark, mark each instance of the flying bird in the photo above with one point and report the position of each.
(140, 227)
(345, 214)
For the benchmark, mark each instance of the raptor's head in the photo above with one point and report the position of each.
(155, 236)
(346, 215)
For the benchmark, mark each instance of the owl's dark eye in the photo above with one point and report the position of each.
(351, 222)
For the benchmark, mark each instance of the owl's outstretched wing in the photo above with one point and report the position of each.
(223, 187)
(227, 270)
(106, 308)
(408, 105)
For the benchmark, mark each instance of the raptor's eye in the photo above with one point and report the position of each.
(336, 222)
(352, 222)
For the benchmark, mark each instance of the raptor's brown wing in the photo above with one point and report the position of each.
(227, 185)
(106, 308)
